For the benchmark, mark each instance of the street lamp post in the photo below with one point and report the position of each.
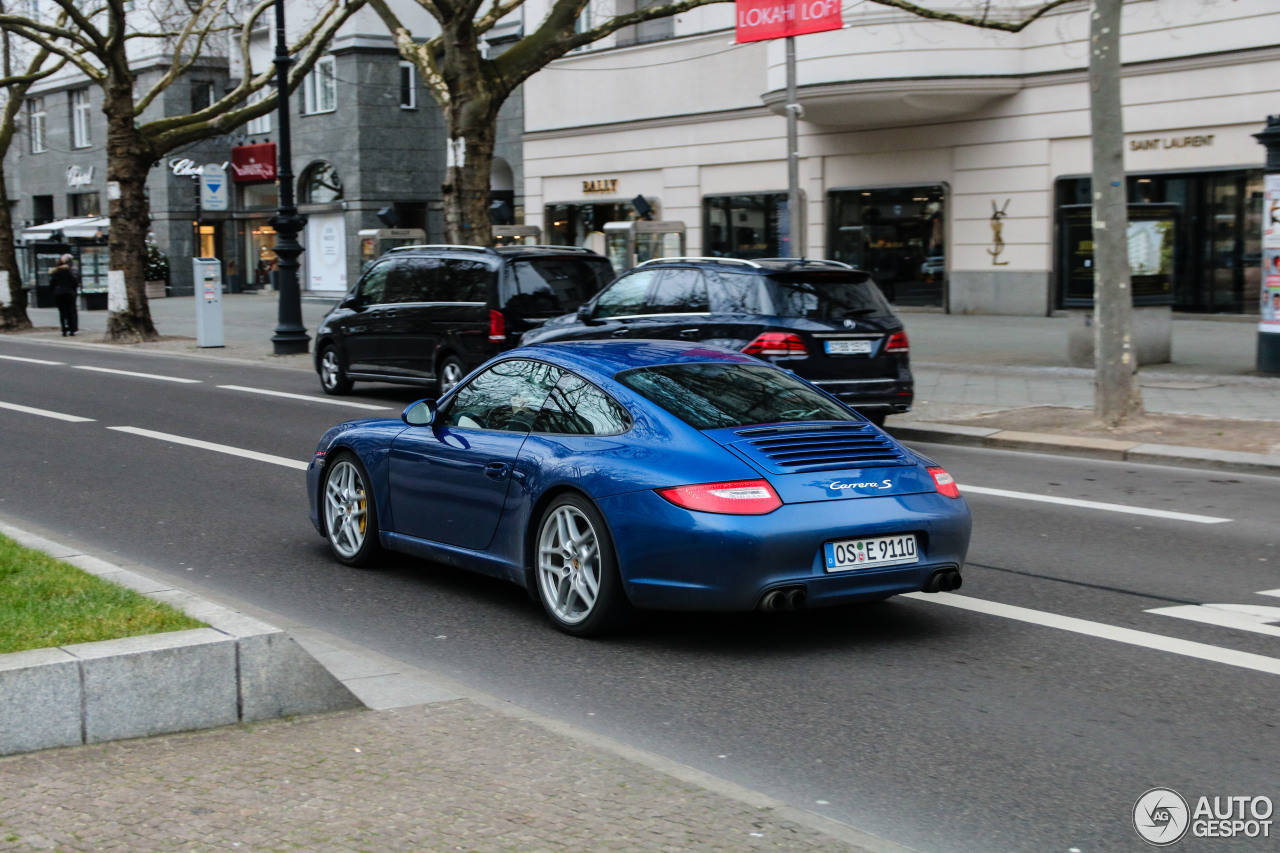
(291, 336)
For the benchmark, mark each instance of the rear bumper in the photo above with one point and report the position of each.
(888, 395)
(676, 559)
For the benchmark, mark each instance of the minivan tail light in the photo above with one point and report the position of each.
(737, 497)
(945, 482)
(776, 343)
(897, 343)
(497, 326)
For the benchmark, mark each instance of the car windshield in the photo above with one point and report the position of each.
(817, 296)
(719, 396)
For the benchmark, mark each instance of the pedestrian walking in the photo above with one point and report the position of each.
(64, 279)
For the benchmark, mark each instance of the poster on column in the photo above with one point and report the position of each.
(760, 20)
(326, 252)
(1271, 257)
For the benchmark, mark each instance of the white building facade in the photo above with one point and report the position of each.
(951, 162)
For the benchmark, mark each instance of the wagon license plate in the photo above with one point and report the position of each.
(847, 347)
(850, 554)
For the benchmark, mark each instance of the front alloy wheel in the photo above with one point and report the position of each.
(333, 377)
(577, 573)
(350, 519)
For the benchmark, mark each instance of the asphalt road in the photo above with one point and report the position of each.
(1026, 713)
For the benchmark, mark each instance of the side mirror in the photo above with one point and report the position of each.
(585, 311)
(421, 413)
(351, 301)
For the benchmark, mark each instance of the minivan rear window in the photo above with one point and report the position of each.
(823, 297)
(720, 396)
(549, 287)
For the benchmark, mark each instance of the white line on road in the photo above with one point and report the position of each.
(1242, 617)
(219, 448)
(1159, 642)
(1106, 507)
(45, 413)
(310, 398)
(140, 375)
(29, 360)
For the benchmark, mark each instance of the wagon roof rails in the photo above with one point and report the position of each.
(685, 260)
(445, 246)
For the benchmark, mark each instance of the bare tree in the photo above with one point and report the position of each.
(101, 39)
(13, 315)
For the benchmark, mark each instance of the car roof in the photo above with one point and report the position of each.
(757, 266)
(601, 360)
(499, 251)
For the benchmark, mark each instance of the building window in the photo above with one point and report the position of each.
(320, 184)
(80, 137)
(318, 88)
(201, 95)
(42, 209)
(36, 124)
(898, 234)
(742, 226)
(660, 29)
(262, 124)
(408, 86)
(83, 204)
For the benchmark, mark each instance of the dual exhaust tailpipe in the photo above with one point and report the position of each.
(945, 580)
(784, 598)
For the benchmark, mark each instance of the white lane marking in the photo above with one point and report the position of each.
(219, 448)
(1186, 648)
(308, 397)
(29, 360)
(1275, 593)
(1242, 617)
(45, 413)
(1106, 507)
(140, 375)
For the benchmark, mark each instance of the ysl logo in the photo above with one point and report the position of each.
(997, 235)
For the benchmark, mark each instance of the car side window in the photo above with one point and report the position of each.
(577, 407)
(680, 292)
(507, 397)
(462, 280)
(735, 293)
(410, 280)
(626, 295)
(373, 287)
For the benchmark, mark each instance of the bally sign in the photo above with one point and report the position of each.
(253, 163)
(759, 20)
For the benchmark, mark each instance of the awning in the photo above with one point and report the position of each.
(88, 226)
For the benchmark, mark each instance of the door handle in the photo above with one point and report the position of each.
(496, 470)
(690, 333)
(621, 333)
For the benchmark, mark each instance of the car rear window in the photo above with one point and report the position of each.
(817, 296)
(418, 279)
(720, 396)
(549, 287)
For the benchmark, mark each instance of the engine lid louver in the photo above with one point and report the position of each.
(798, 448)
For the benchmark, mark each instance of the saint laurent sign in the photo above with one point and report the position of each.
(600, 185)
(1152, 143)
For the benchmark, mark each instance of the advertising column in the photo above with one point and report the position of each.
(1269, 326)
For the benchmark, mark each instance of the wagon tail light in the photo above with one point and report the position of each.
(739, 497)
(497, 326)
(897, 343)
(945, 482)
(776, 343)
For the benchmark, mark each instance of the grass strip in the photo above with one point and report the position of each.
(45, 602)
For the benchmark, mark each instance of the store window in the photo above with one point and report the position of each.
(580, 224)
(898, 234)
(320, 184)
(1208, 226)
(36, 124)
(743, 226)
(83, 204)
(318, 89)
(80, 135)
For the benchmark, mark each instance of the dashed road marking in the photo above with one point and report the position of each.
(217, 448)
(1159, 642)
(30, 360)
(1242, 617)
(1098, 505)
(310, 398)
(45, 413)
(134, 373)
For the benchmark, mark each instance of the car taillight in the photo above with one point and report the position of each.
(739, 497)
(945, 482)
(897, 343)
(497, 326)
(776, 343)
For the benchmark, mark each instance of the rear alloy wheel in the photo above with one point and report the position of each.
(451, 372)
(577, 570)
(350, 518)
(333, 374)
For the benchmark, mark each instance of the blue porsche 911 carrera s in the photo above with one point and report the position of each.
(610, 476)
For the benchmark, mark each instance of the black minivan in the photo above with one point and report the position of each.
(428, 315)
(823, 320)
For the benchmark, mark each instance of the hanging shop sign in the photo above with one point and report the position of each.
(185, 168)
(760, 20)
(253, 163)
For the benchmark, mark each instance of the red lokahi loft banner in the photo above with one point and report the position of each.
(759, 20)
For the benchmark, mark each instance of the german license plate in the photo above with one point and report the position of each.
(847, 347)
(850, 554)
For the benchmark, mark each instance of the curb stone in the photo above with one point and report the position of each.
(238, 669)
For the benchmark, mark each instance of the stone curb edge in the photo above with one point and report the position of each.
(1097, 448)
(239, 669)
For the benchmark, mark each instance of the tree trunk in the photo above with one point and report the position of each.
(129, 159)
(13, 315)
(1117, 395)
(466, 187)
